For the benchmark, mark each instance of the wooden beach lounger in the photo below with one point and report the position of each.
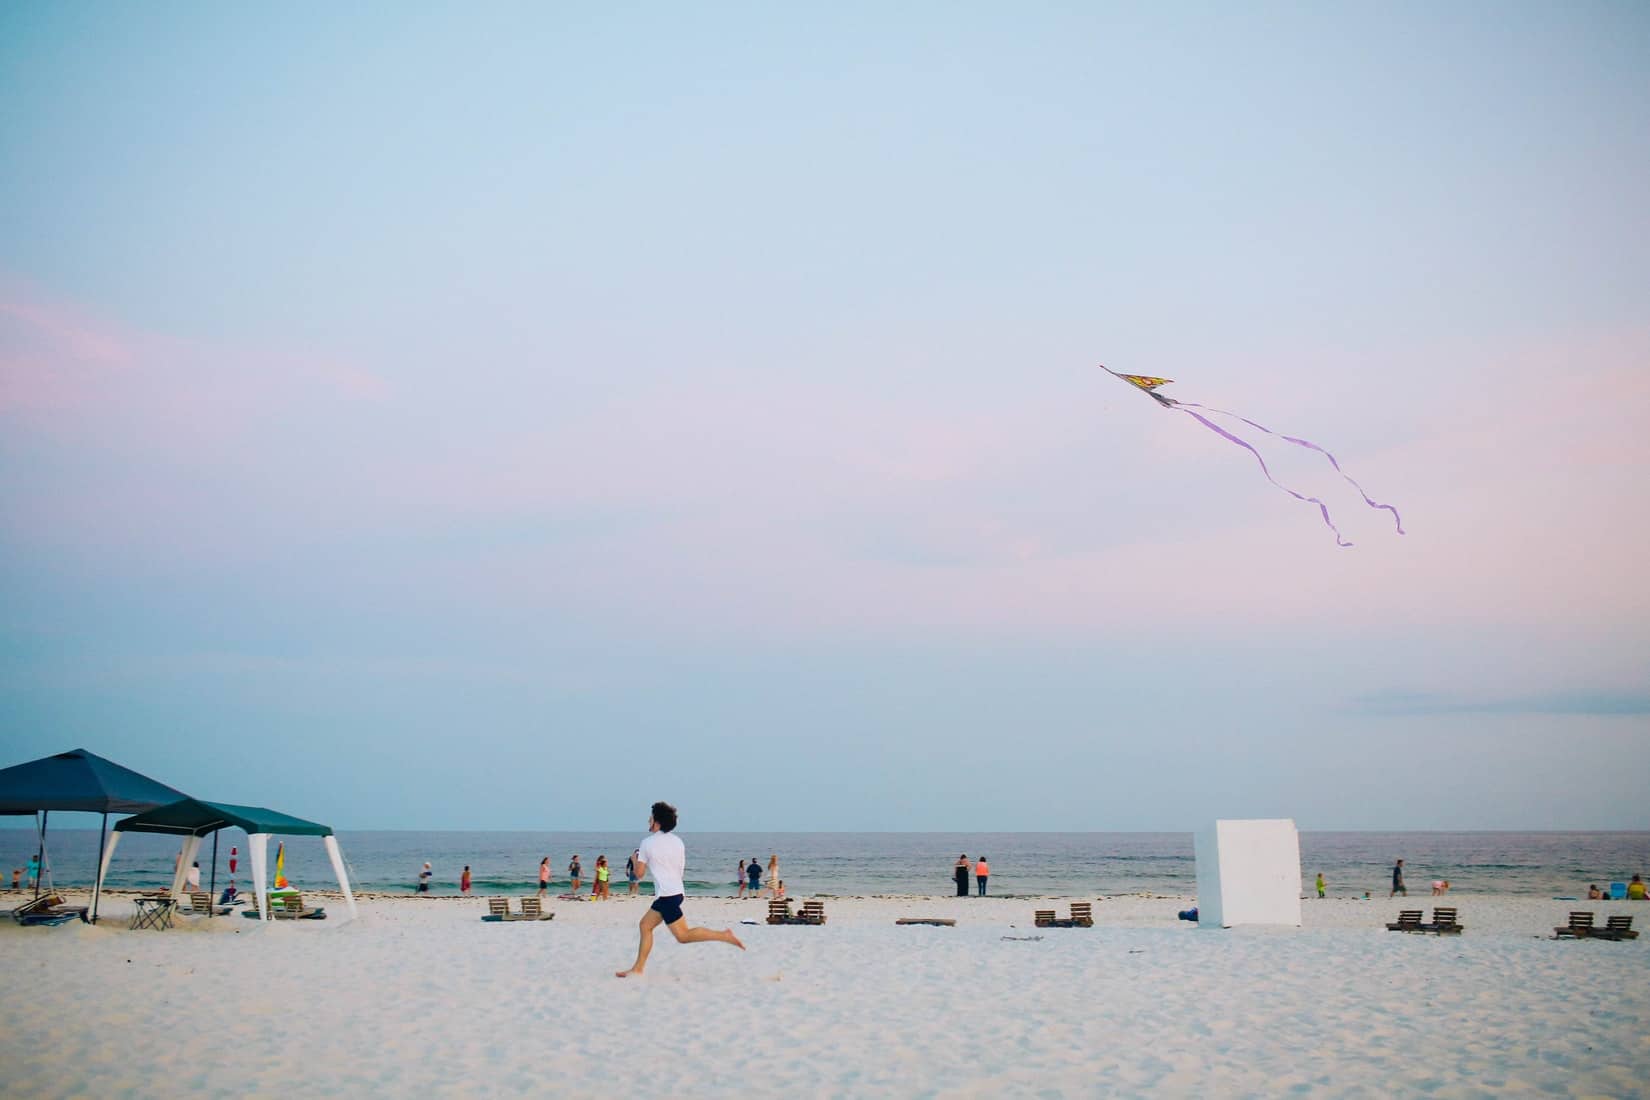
(1580, 926)
(532, 909)
(1409, 920)
(779, 912)
(1616, 928)
(941, 921)
(287, 907)
(200, 902)
(1082, 916)
(47, 909)
(1443, 922)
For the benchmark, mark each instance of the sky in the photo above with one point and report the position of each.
(501, 417)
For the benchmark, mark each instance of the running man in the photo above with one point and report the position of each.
(663, 856)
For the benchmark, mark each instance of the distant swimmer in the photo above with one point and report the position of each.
(663, 855)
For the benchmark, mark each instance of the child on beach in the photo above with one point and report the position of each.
(1320, 884)
(630, 872)
(663, 855)
(599, 890)
(464, 880)
(1440, 887)
(16, 879)
(575, 871)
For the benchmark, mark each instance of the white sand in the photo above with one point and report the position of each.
(420, 993)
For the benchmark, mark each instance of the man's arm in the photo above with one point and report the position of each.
(641, 868)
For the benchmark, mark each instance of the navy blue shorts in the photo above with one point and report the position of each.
(669, 908)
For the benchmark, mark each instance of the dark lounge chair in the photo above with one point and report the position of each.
(779, 912)
(47, 909)
(1443, 922)
(1082, 916)
(1580, 926)
(1409, 920)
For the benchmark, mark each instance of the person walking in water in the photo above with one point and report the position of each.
(663, 855)
(1398, 880)
(961, 873)
(544, 875)
(982, 871)
(464, 880)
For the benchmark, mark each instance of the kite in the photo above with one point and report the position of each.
(1148, 385)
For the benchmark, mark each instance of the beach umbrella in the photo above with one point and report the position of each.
(81, 781)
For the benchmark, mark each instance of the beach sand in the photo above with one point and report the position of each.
(419, 993)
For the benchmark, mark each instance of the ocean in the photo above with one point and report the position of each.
(1064, 864)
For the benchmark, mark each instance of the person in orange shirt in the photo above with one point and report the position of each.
(981, 870)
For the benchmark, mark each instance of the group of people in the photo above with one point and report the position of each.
(601, 882)
(33, 873)
(748, 877)
(1635, 891)
(982, 872)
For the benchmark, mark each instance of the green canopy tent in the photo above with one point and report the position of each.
(81, 781)
(193, 819)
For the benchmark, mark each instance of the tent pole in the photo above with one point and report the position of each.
(97, 884)
(212, 892)
(40, 858)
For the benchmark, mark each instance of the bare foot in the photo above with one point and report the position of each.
(635, 973)
(733, 939)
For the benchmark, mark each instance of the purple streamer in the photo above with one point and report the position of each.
(1218, 430)
(1311, 446)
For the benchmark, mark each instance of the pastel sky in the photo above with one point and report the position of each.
(454, 416)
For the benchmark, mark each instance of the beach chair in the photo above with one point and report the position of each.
(498, 909)
(1616, 928)
(292, 907)
(533, 909)
(1579, 927)
(1082, 916)
(813, 912)
(49, 910)
(200, 903)
(1618, 891)
(1409, 920)
(1443, 922)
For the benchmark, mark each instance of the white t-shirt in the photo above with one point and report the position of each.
(666, 860)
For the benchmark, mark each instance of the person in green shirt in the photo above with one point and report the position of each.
(1320, 884)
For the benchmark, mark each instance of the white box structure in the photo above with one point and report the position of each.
(1248, 872)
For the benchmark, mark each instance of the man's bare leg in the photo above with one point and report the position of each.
(644, 947)
(684, 934)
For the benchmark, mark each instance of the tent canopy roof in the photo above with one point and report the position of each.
(192, 817)
(80, 780)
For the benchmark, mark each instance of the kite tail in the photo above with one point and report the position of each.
(1218, 430)
(1307, 443)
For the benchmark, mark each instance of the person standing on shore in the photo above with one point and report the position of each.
(1320, 884)
(739, 879)
(604, 877)
(464, 880)
(34, 871)
(982, 871)
(575, 871)
(424, 877)
(630, 871)
(1398, 880)
(663, 855)
(544, 875)
(773, 874)
(960, 872)
(754, 873)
